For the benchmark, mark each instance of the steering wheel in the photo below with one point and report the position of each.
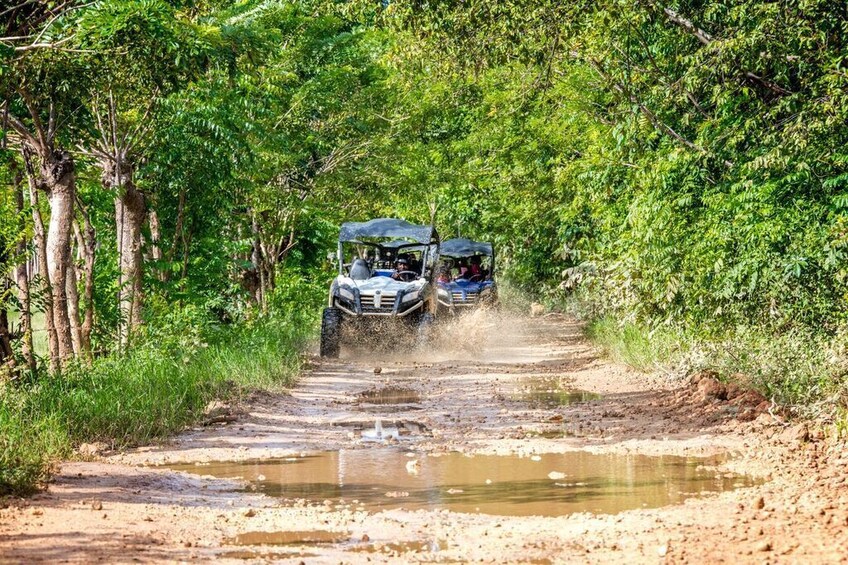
(405, 276)
(476, 278)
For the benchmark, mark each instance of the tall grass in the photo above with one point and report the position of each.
(634, 345)
(148, 394)
(803, 371)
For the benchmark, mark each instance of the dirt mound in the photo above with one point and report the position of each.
(706, 390)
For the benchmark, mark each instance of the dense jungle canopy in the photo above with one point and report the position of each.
(678, 163)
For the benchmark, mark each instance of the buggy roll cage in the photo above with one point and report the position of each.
(462, 248)
(407, 235)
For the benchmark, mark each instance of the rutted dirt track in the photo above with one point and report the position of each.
(472, 397)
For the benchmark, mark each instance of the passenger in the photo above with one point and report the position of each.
(414, 264)
(462, 268)
(444, 275)
(475, 270)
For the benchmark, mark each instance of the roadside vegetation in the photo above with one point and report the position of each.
(172, 174)
(152, 392)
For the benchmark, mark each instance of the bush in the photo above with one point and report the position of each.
(28, 444)
(799, 369)
(159, 388)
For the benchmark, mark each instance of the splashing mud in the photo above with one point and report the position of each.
(481, 334)
(546, 485)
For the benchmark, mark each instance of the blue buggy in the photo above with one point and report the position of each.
(465, 276)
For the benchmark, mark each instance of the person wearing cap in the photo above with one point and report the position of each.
(401, 269)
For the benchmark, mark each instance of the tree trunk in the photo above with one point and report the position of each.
(22, 278)
(57, 173)
(130, 215)
(86, 246)
(72, 289)
(7, 357)
(41, 261)
(258, 263)
(155, 242)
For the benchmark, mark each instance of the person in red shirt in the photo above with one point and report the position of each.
(475, 270)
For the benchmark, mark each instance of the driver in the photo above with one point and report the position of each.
(402, 272)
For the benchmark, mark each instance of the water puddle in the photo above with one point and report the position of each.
(551, 392)
(403, 547)
(389, 395)
(311, 537)
(547, 485)
(264, 556)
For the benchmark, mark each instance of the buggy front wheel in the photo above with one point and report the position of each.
(331, 332)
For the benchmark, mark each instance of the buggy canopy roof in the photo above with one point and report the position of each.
(461, 247)
(387, 227)
(398, 243)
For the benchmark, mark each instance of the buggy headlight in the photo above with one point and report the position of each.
(411, 296)
(346, 294)
(444, 292)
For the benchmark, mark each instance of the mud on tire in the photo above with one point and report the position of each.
(425, 328)
(331, 332)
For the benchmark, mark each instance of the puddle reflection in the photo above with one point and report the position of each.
(548, 392)
(389, 395)
(546, 485)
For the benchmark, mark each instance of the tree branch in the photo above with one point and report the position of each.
(19, 127)
(658, 124)
(707, 39)
(43, 145)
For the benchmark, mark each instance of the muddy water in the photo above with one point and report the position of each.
(551, 392)
(546, 485)
(389, 395)
(311, 537)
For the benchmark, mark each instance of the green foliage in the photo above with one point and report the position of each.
(679, 166)
(633, 345)
(28, 445)
(156, 390)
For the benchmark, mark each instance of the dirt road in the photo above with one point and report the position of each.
(510, 442)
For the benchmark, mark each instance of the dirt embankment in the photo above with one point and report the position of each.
(608, 444)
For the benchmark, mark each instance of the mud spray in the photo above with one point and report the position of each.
(482, 334)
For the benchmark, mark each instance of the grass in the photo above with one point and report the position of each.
(149, 394)
(39, 330)
(634, 345)
(803, 371)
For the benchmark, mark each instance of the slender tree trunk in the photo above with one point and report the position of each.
(7, 356)
(22, 278)
(86, 246)
(156, 241)
(186, 237)
(179, 232)
(57, 173)
(40, 240)
(130, 214)
(72, 290)
(258, 263)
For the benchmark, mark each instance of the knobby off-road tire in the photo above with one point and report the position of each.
(425, 328)
(331, 332)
